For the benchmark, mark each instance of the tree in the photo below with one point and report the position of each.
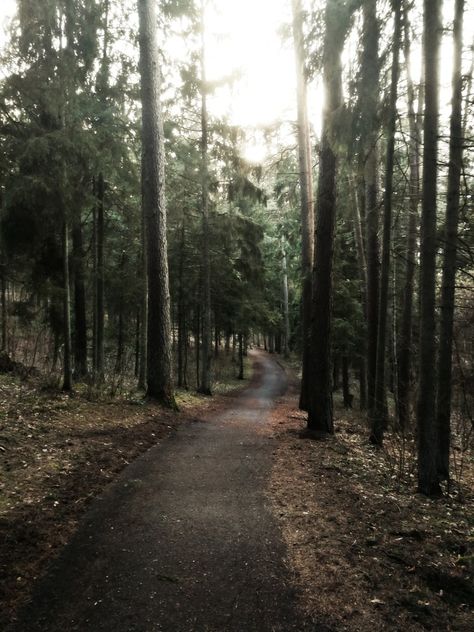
(426, 407)
(405, 352)
(378, 411)
(448, 284)
(205, 384)
(320, 413)
(369, 89)
(159, 375)
(306, 194)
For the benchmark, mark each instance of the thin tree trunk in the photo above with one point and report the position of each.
(185, 363)
(406, 325)
(369, 100)
(286, 309)
(80, 318)
(358, 234)
(119, 362)
(205, 385)
(198, 345)
(99, 291)
(159, 356)
(94, 279)
(306, 194)
(443, 413)
(378, 417)
(241, 357)
(3, 282)
(137, 343)
(426, 408)
(67, 368)
(181, 317)
(362, 261)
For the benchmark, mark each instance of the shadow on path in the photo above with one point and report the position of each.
(183, 540)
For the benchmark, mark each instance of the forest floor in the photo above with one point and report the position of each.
(58, 452)
(368, 552)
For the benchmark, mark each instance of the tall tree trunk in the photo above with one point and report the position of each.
(205, 385)
(354, 188)
(378, 415)
(306, 194)
(3, 290)
(136, 371)
(159, 364)
(80, 318)
(286, 309)
(181, 316)
(94, 278)
(406, 326)
(426, 408)
(99, 281)
(320, 414)
(369, 102)
(67, 368)
(143, 310)
(119, 361)
(241, 356)
(449, 256)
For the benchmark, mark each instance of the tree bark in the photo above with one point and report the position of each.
(406, 326)
(99, 281)
(320, 414)
(369, 101)
(241, 356)
(159, 357)
(3, 282)
(426, 409)
(205, 385)
(119, 361)
(142, 373)
(306, 194)
(443, 413)
(181, 314)
(378, 416)
(80, 318)
(67, 367)
(286, 309)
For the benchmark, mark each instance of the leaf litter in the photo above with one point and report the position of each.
(365, 551)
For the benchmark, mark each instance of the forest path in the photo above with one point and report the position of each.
(184, 540)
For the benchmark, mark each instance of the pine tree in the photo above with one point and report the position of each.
(426, 408)
(159, 374)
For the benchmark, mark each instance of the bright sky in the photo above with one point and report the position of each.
(245, 36)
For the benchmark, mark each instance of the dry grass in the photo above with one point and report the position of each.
(368, 553)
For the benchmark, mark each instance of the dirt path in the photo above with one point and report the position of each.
(183, 541)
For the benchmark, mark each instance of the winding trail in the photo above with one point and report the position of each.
(183, 541)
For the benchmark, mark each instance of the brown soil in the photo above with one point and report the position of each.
(368, 552)
(57, 453)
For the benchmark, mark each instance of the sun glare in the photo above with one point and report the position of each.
(245, 37)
